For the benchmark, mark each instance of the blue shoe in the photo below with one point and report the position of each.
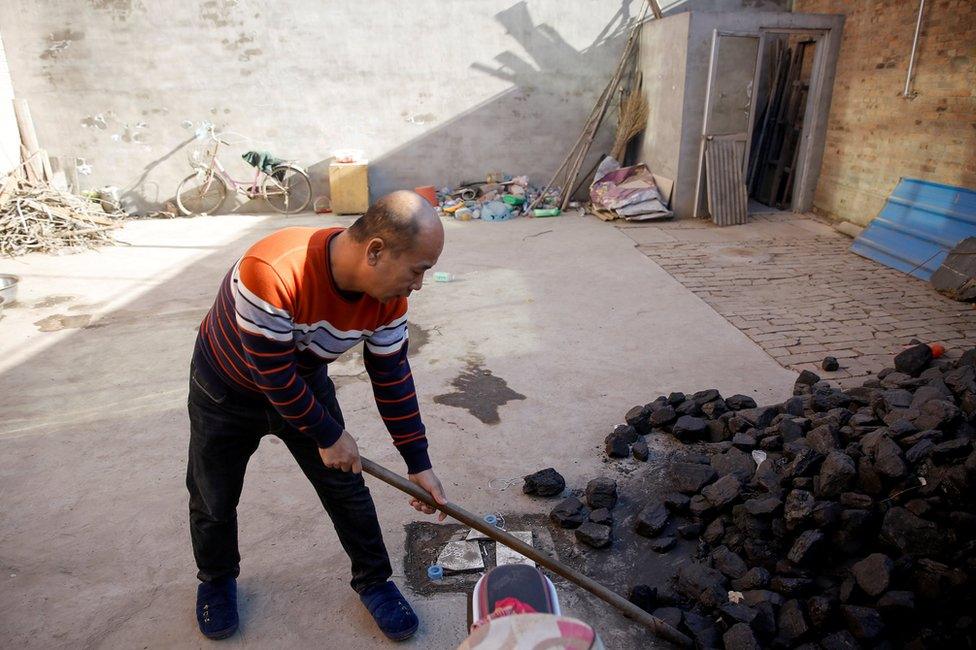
(390, 610)
(217, 608)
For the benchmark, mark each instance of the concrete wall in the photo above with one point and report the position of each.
(662, 61)
(875, 136)
(9, 133)
(434, 92)
(669, 7)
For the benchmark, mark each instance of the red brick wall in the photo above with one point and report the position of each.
(874, 135)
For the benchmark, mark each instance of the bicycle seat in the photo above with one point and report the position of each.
(263, 160)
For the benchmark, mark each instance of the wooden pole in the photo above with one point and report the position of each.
(656, 625)
(59, 178)
(602, 106)
(28, 137)
(70, 166)
(566, 160)
(575, 155)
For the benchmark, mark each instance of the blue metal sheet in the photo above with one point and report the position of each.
(918, 226)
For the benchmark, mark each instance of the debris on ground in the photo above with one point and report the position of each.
(856, 528)
(36, 217)
(459, 556)
(473, 553)
(505, 555)
(499, 198)
(630, 193)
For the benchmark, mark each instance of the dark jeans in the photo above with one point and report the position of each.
(225, 429)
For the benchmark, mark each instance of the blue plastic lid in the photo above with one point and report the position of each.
(435, 572)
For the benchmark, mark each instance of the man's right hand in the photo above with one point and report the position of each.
(342, 455)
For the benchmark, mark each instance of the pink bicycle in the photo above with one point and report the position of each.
(284, 185)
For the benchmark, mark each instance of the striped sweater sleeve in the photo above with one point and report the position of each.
(261, 304)
(385, 356)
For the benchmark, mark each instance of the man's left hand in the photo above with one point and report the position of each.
(429, 481)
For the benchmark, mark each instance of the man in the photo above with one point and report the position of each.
(293, 303)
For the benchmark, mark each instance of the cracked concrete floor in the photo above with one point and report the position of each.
(94, 545)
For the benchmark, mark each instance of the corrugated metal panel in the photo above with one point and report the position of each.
(918, 226)
(727, 198)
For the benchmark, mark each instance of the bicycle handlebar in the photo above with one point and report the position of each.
(213, 136)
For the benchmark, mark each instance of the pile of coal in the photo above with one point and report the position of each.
(592, 519)
(836, 519)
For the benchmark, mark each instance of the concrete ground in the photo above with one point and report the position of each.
(790, 283)
(574, 324)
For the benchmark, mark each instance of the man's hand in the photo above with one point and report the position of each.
(428, 481)
(343, 454)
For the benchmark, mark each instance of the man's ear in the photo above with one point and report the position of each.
(373, 250)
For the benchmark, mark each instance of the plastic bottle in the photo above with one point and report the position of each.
(546, 212)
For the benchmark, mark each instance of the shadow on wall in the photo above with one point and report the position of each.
(679, 6)
(527, 128)
(556, 84)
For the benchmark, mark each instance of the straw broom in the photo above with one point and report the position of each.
(631, 121)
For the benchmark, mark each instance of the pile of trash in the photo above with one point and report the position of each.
(498, 198)
(630, 193)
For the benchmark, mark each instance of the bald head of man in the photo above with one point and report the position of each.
(386, 252)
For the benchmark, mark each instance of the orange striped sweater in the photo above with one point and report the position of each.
(279, 318)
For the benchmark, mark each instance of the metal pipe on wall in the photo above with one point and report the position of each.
(911, 59)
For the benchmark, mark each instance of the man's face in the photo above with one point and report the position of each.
(393, 275)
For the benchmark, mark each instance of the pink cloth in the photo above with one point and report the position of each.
(624, 186)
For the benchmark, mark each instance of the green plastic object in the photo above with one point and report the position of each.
(511, 199)
(547, 212)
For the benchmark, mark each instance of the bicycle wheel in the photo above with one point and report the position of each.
(200, 195)
(287, 189)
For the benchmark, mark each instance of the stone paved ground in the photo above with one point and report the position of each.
(789, 283)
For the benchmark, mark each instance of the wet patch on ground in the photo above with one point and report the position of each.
(51, 301)
(58, 322)
(743, 255)
(91, 306)
(121, 317)
(419, 337)
(135, 317)
(479, 392)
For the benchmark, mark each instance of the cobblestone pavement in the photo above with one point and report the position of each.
(790, 284)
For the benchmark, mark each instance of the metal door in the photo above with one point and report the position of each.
(729, 98)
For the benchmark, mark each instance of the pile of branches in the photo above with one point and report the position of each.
(36, 217)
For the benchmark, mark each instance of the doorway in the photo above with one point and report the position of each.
(783, 79)
(760, 104)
